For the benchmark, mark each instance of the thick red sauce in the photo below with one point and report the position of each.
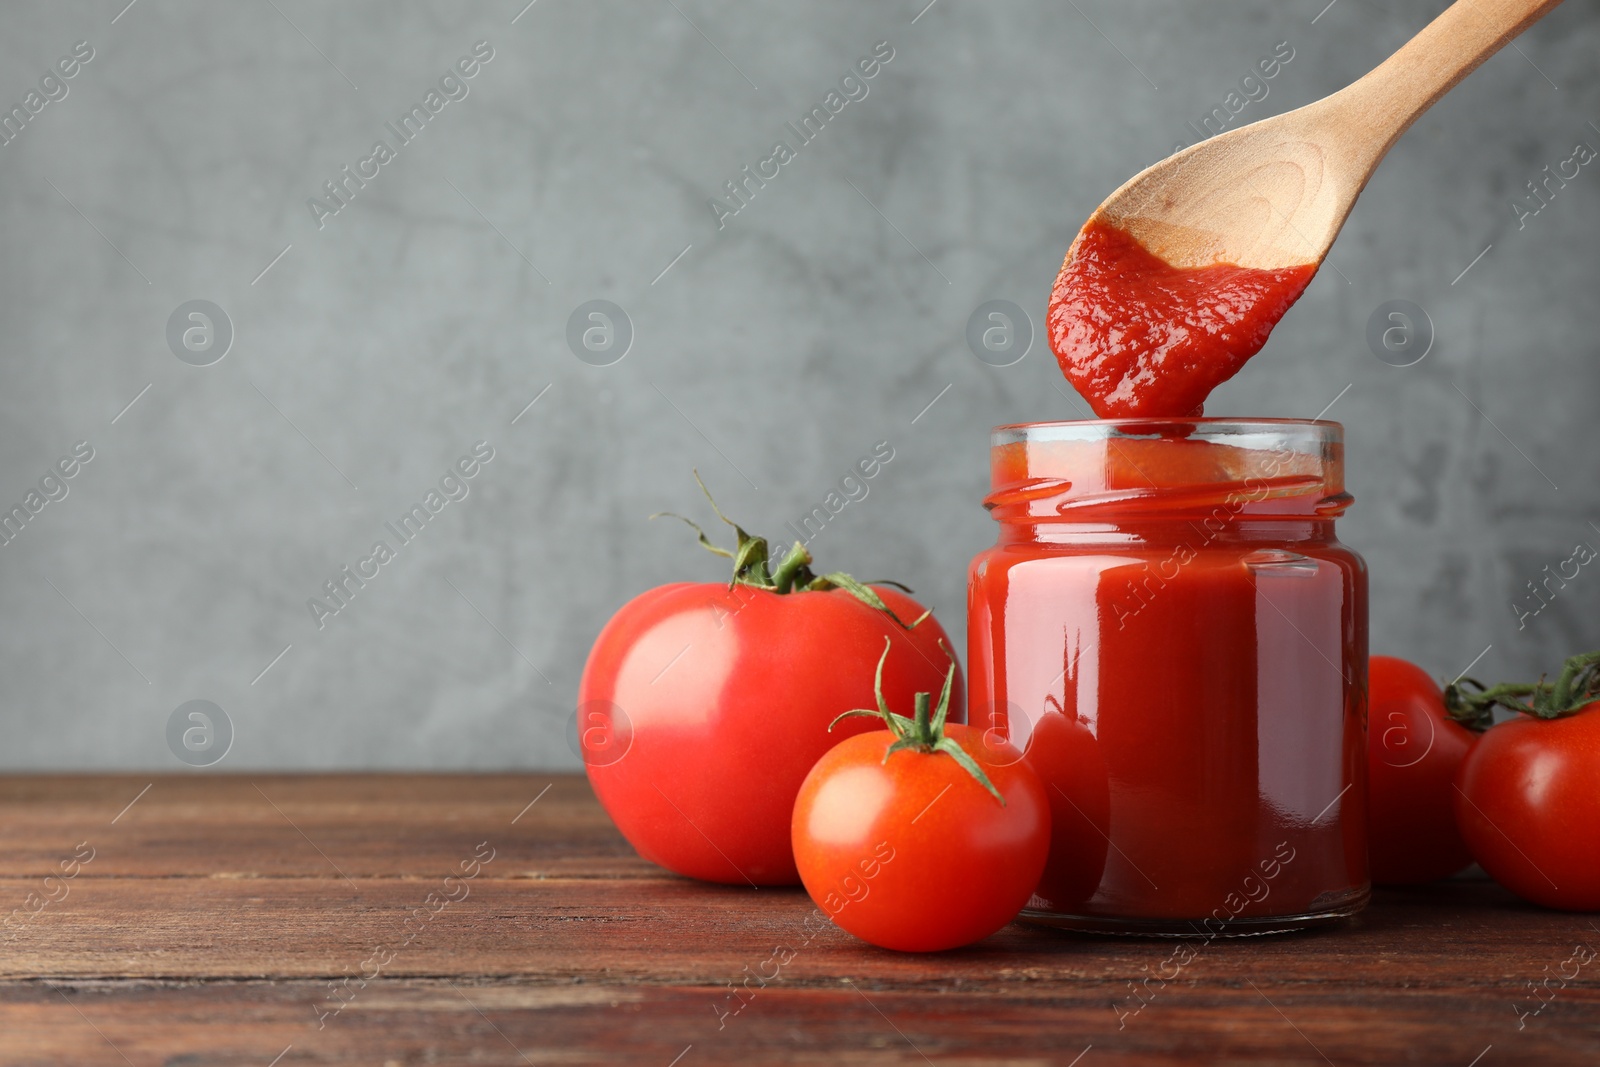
(1137, 336)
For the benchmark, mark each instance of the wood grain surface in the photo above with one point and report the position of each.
(405, 919)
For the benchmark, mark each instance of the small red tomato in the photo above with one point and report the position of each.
(1064, 752)
(921, 837)
(1413, 751)
(1528, 805)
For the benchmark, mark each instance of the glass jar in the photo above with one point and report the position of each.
(1170, 630)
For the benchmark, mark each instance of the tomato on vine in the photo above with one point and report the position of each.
(922, 836)
(703, 705)
(1528, 794)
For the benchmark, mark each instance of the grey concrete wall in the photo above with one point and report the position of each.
(372, 347)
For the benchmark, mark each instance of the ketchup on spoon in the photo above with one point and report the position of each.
(1139, 337)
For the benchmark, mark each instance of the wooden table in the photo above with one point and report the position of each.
(260, 919)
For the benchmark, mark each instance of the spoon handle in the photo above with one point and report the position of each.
(1382, 105)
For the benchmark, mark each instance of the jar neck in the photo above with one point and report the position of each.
(1167, 481)
(1195, 532)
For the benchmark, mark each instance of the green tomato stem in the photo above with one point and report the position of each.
(1471, 703)
(752, 566)
(924, 732)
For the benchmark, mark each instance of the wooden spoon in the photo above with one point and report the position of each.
(1180, 276)
(1275, 193)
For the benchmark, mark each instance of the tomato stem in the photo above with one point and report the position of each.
(1471, 703)
(924, 732)
(752, 565)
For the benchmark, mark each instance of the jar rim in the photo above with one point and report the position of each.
(1101, 469)
(1308, 432)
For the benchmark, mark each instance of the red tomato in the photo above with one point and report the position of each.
(1529, 808)
(1064, 752)
(907, 848)
(702, 708)
(1413, 752)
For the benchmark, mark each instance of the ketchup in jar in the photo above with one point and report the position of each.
(1170, 630)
